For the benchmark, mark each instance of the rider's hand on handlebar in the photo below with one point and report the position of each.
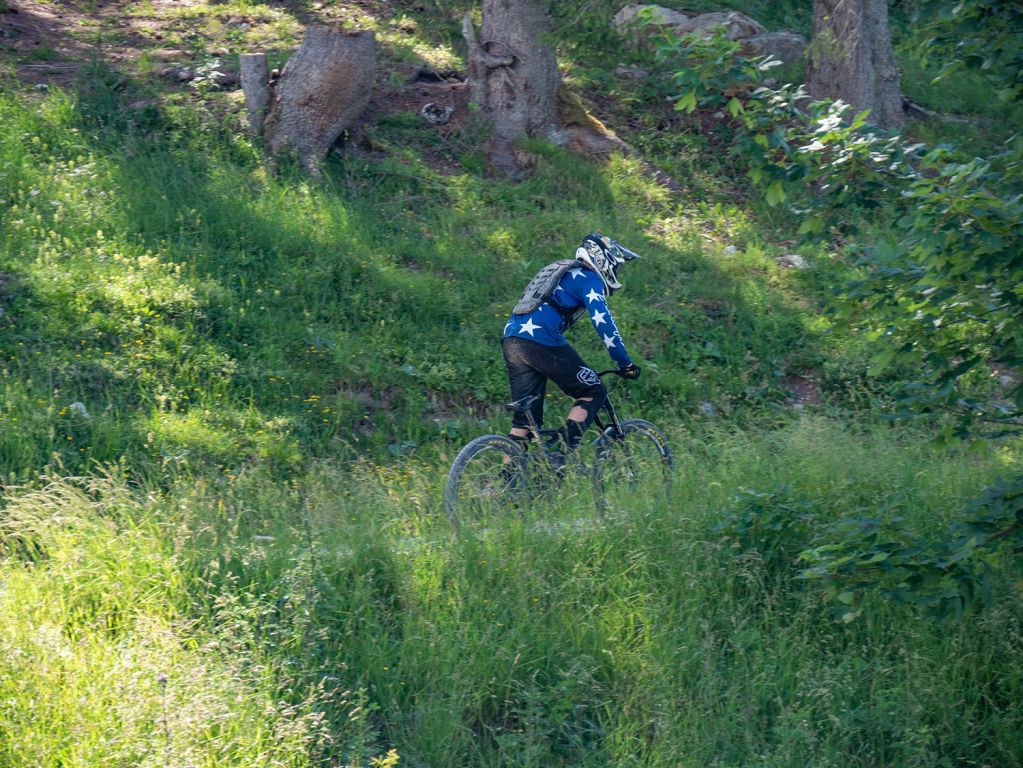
(631, 372)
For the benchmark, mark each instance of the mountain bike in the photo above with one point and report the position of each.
(493, 476)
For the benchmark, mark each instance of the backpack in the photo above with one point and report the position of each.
(542, 287)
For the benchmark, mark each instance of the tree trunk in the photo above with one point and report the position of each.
(513, 77)
(851, 58)
(323, 88)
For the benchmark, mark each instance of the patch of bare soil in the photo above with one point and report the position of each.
(48, 42)
(42, 42)
(440, 102)
(803, 390)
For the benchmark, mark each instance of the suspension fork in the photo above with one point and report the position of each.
(612, 423)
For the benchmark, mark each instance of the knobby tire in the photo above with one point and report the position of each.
(637, 461)
(477, 491)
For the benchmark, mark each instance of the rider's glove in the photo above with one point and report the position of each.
(631, 372)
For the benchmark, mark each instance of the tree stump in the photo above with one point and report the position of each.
(322, 90)
(851, 58)
(256, 86)
(513, 77)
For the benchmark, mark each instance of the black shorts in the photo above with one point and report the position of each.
(531, 364)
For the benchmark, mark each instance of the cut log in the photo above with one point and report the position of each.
(325, 86)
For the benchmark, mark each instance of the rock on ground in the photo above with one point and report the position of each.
(785, 45)
(738, 26)
(792, 261)
(628, 17)
(641, 22)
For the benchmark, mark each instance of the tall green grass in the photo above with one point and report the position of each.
(228, 399)
(102, 663)
(336, 618)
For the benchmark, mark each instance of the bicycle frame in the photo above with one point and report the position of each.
(612, 414)
(520, 475)
(607, 408)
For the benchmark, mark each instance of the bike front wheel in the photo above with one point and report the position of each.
(487, 479)
(632, 466)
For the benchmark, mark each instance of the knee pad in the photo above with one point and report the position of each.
(592, 407)
(573, 430)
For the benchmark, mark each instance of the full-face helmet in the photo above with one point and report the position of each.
(605, 257)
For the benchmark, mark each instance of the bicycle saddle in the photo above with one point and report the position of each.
(522, 404)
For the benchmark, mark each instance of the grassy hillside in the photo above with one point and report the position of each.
(230, 396)
(188, 300)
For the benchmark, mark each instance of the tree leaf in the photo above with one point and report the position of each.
(687, 102)
(775, 194)
(881, 360)
(811, 225)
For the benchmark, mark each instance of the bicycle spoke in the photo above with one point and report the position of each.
(492, 478)
(488, 479)
(633, 467)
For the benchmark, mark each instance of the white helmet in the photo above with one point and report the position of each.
(604, 256)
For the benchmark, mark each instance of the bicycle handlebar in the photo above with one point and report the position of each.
(615, 371)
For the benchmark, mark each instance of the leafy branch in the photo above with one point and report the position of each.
(946, 576)
(847, 559)
(941, 296)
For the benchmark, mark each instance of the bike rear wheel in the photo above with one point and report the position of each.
(634, 465)
(487, 480)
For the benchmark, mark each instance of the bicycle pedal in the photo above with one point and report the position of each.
(558, 461)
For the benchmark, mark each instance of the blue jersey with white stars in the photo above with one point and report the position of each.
(579, 287)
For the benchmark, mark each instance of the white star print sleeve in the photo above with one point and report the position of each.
(592, 296)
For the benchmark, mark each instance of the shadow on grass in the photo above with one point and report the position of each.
(380, 292)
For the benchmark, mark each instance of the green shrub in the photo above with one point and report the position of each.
(773, 524)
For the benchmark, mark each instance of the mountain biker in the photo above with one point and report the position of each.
(535, 348)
